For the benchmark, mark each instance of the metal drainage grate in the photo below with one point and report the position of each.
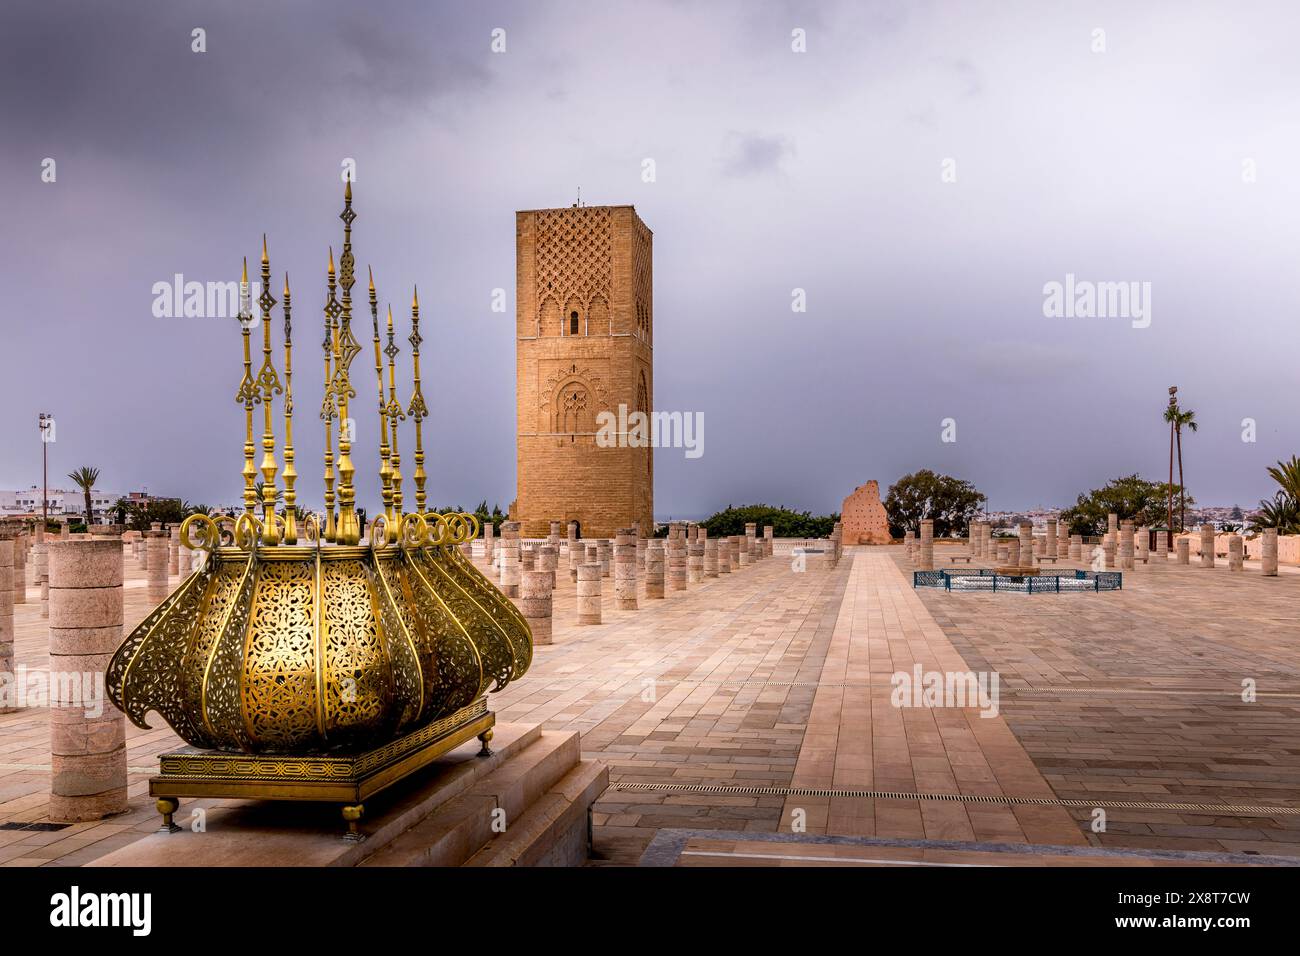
(33, 827)
(960, 798)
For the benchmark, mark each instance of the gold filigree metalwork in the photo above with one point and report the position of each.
(325, 647)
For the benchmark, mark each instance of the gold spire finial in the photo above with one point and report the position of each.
(385, 484)
(395, 414)
(269, 382)
(290, 474)
(248, 395)
(329, 404)
(417, 408)
(348, 530)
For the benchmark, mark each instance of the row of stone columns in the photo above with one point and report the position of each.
(687, 556)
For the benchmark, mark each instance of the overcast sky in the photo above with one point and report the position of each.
(775, 170)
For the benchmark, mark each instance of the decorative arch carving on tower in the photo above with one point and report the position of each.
(562, 406)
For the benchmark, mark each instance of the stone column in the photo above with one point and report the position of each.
(606, 551)
(1075, 548)
(925, 561)
(572, 534)
(156, 574)
(1184, 546)
(625, 570)
(654, 569)
(1027, 544)
(837, 541)
(8, 537)
(909, 547)
(510, 568)
(174, 552)
(769, 542)
(1013, 552)
(1049, 539)
(577, 557)
(535, 604)
(1236, 553)
(677, 563)
(1112, 525)
(1109, 548)
(527, 560)
(1268, 553)
(141, 552)
(710, 557)
(1207, 545)
(87, 753)
(1126, 546)
(548, 560)
(1144, 544)
(554, 538)
(489, 542)
(724, 555)
(1162, 545)
(41, 553)
(751, 534)
(19, 588)
(184, 557)
(589, 592)
(640, 552)
(695, 562)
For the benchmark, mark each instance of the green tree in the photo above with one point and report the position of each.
(785, 523)
(1130, 497)
(1283, 510)
(85, 478)
(952, 503)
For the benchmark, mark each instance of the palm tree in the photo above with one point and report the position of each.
(258, 486)
(85, 478)
(1178, 420)
(1186, 419)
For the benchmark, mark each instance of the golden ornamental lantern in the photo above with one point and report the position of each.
(327, 668)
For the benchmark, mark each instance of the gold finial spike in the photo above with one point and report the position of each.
(269, 382)
(248, 395)
(289, 474)
(329, 404)
(385, 485)
(417, 408)
(348, 530)
(395, 414)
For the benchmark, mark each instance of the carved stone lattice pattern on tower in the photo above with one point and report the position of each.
(573, 257)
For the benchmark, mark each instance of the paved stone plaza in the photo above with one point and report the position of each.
(768, 678)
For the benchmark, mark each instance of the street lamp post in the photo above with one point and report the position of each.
(45, 422)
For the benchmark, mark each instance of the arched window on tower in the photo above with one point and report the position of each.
(573, 323)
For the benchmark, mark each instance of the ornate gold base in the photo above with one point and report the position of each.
(349, 780)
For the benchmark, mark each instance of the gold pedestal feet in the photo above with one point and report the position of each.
(352, 814)
(486, 739)
(168, 806)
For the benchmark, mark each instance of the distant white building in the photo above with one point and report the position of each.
(64, 502)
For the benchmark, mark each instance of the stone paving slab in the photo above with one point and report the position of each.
(1136, 695)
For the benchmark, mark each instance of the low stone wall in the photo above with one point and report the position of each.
(1288, 546)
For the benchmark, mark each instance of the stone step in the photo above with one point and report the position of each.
(461, 827)
(553, 831)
